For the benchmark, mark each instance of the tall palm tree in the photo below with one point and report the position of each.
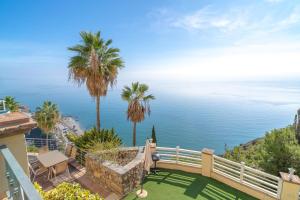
(95, 64)
(138, 104)
(47, 116)
(11, 103)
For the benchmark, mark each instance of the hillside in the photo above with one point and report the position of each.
(276, 151)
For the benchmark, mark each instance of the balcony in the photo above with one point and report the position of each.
(77, 170)
(17, 182)
(182, 174)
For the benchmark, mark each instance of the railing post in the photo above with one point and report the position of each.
(207, 162)
(242, 172)
(290, 186)
(177, 154)
(152, 147)
(279, 188)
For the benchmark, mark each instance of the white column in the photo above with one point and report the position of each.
(177, 154)
(242, 172)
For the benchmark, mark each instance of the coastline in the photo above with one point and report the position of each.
(71, 124)
(65, 125)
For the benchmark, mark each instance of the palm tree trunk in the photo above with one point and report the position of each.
(134, 134)
(98, 112)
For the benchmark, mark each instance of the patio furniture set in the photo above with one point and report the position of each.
(52, 163)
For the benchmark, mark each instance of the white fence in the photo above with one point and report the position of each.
(253, 178)
(180, 156)
(238, 172)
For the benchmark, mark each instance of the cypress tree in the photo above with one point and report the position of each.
(153, 135)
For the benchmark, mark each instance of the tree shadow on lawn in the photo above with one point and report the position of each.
(196, 186)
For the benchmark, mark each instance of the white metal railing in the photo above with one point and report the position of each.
(245, 175)
(239, 172)
(33, 144)
(19, 185)
(180, 156)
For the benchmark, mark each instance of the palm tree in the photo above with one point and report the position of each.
(138, 104)
(95, 64)
(11, 103)
(47, 116)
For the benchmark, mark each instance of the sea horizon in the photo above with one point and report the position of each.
(206, 114)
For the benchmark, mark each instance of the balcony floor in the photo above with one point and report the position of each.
(178, 185)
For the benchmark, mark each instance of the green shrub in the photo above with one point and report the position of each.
(275, 153)
(281, 151)
(32, 149)
(111, 149)
(251, 154)
(92, 137)
(67, 191)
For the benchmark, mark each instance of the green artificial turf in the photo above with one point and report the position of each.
(178, 185)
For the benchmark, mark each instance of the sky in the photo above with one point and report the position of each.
(170, 40)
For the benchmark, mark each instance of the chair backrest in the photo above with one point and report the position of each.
(30, 168)
(34, 165)
(43, 149)
(73, 152)
(36, 168)
(61, 167)
(68, 150)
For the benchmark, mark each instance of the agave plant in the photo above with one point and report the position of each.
(93, 137)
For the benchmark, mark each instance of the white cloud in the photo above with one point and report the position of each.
(247, 19)
(291, 19)
(273, 1)
(250, 62)
(205, 18)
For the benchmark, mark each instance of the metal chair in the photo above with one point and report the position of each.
(36, 169)
(60, 168)
(68, 149)
(61, 173)
(72, 152)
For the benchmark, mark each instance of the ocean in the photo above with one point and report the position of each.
(190, 115)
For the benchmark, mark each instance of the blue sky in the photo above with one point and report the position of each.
(176, 40)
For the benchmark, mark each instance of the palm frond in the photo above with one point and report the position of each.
(95, 63)
(138, 102)
(148, 97)
(47, 116)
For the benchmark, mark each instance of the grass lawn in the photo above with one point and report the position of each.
(178, 185)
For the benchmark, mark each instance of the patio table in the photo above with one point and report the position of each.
(51, 158)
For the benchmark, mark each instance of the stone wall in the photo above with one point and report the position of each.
(122, 176)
